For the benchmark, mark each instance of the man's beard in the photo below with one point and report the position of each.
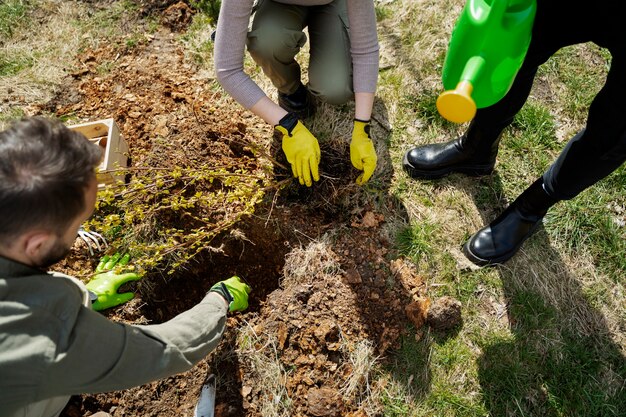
(58, 252)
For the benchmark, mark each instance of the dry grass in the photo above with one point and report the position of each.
(316, 259)
(50, 44)
(259, 356)
(358, 387)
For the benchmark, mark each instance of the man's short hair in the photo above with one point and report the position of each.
(45, 169)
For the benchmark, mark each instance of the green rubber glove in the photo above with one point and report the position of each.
(362, 152)
(301, 149)
(234, 292)
(106, 282)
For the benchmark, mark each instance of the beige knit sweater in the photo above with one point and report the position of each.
(230, 43)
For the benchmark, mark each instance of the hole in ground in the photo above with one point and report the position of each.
(256, 253)
(333, 193)
(253, 252)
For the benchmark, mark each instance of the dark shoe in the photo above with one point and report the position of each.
(300, 102)
(440, 159)
(501, 239)
(474, 154)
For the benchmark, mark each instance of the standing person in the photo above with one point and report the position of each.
(592, 154)
(343, 64)
(52, 344)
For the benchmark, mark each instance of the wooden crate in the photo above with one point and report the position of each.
(106, 134)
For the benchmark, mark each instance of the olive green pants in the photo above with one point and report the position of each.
(277, 36)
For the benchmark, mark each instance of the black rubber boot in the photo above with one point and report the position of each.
(473, 154)
(300, 102)
(502, 238)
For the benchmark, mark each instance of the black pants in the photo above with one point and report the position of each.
(600, 148)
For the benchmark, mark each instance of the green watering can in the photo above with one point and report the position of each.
(487, 49)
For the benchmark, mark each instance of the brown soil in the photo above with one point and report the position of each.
(444, 313)
(313, 314)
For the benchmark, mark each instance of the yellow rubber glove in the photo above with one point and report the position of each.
(362, 152)
(301, 149)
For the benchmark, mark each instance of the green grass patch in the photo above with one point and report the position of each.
(586, 224)
(548, 370)
(582, 82)
(382, 13)
(13, 14)
(418, 240)
(425, 107)
(530, 146)
(571, 67)
(488, 193)
(120, 19)
(197, 40)
(9, 115)
(469, 284)
(12, 64)
(451, 355)
(392, 83)
(537, 131)
(451, 403)
(410, 365)
(209, 8)
(428, 375)
(395, 405)
(105, 67)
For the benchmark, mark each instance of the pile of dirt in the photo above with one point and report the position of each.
(167, 112)
(170, 116)
(337, 292)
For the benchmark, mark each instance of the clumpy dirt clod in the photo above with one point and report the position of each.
(324, 402)
(444, 313)
(417, 311)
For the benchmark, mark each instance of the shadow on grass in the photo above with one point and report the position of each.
(561, 360)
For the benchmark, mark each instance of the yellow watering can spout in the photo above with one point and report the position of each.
(457, 105)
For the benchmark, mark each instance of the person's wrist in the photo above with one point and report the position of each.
(221, 290)
(217, 295)
(361, 127)
(288, 122)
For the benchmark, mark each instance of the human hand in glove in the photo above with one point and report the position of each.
(234, 292)
(301, 149)
(106, 282)
(362, 152)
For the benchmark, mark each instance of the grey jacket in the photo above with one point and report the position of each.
(53, 346)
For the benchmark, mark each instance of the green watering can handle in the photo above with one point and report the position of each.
(497, 10)
(457, 105)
